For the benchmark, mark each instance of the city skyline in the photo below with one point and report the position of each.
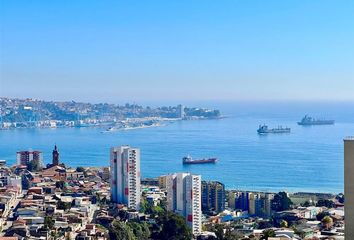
(176, 120)
(178, 51)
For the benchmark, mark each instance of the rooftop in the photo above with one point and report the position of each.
(349, 138)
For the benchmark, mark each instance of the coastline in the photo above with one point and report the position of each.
(247, 161)
(107, 124)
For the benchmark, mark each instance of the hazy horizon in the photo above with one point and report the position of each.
(177, 51)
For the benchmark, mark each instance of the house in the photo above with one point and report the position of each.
(74, 175)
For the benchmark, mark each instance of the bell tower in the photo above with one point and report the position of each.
(55, 154)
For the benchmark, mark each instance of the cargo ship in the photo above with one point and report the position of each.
(306, 121)
(190, 160)
(263, 129)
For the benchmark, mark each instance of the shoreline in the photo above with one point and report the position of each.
(107, 124)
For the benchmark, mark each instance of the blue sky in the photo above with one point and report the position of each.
(118, 51)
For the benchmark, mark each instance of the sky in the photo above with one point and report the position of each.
(177, 50)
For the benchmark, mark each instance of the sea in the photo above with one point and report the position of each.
(309, 159)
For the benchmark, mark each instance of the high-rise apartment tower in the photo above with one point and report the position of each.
(125, 176)
(25, 157)
(184, 198)
(213, 196)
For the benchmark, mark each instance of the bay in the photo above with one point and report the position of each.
(307, 159)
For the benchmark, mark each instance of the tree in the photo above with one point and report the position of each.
(230, 234)
(173, 227)
(60, 184)
(80, 169)
(218, 229)
(267, 234)
(327, 222)
(325, 203)
(306, 204)
(123, 214)
(48, 222)
(63, 205)
(321, 215)
(283, 224)
(340, 198)
(145, 207)
(34, 166)
(281, 202)
(223, 232)
(163, 204)
(101, 200)
(120, 231)
(264, 224)
(149, 208)
(140, 230)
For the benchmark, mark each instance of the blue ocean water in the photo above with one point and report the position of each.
(307, 159)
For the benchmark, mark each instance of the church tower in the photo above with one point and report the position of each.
(55, 159)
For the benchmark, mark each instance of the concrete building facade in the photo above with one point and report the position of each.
(260, 204)
(180, 110)
(349, 187)
(184, 198)
(213, 196)
(242, 200)
(25, 157)
(125, 176)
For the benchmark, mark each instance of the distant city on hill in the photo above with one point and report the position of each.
(32, 113)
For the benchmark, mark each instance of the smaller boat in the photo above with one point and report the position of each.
(110, 129)
(189, 160)
(263, 129)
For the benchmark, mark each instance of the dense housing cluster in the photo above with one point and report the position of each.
(59, 202)
(33, 113)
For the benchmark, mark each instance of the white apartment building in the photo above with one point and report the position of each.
(184, 198)
(125, 176)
